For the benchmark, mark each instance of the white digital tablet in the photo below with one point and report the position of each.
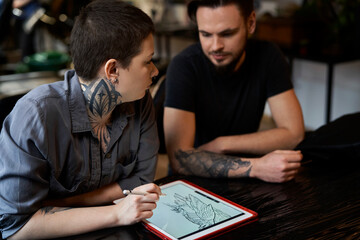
(191, 212)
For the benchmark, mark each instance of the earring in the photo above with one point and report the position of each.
(115, 80)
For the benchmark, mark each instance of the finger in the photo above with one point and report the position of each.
(289, 178)
(291, 174)
(142, 216)
(147, 198)
(145, 215)
(150, 188)
(151, 197)
(292, 166)
(157, 190)
(296, 157)
(288, 151)
(147, 207)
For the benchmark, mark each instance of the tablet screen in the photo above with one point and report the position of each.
(188, 212)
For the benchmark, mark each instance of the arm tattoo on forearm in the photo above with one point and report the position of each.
(209, 164)
(52, 210)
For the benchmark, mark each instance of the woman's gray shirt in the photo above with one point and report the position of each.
(47, 150)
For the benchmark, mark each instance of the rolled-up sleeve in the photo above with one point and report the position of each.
(23, 169)
(145, 155)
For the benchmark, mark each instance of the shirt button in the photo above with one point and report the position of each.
(108, 155)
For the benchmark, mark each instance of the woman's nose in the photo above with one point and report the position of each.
(155, 71)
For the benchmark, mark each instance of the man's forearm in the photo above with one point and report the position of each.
(258, 143)
(208, 164)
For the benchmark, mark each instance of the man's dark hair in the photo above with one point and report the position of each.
(107, 29)
(245, 6)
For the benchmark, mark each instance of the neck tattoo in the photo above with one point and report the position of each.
(101, 99)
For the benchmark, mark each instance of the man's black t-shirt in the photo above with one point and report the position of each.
(226, 104)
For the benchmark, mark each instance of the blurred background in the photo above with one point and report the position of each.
(320, 38)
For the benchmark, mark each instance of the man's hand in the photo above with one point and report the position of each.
(278, 166)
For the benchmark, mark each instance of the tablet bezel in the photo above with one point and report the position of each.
(217, 229)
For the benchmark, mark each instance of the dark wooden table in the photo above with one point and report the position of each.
(322, 202)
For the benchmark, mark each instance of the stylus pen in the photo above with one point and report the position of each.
(127, 192)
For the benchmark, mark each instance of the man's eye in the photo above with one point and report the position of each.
(205, 34)
(227, 34)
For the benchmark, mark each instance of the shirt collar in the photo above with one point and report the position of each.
(77, 106)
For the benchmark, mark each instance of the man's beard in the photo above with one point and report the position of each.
(230, 67)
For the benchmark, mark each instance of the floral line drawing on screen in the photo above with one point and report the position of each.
(196, 211)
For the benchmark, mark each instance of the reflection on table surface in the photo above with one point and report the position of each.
(322, 202)
(21, 83)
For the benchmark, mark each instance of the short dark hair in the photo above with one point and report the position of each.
(107, 29)
(246, 7)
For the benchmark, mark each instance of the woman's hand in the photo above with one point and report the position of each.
(135, 208)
